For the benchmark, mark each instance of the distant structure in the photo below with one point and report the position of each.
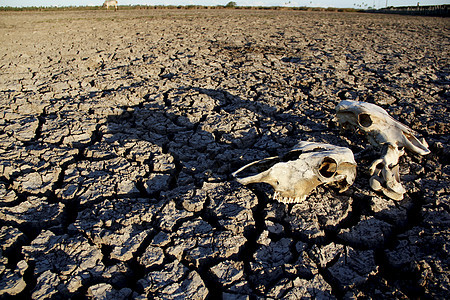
(109, 3)
(429, 10)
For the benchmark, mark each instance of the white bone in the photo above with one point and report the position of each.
(379, 125)
(385, 173)
(383, 131)
(295, 174)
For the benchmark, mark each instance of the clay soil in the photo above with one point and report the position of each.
(119, 132)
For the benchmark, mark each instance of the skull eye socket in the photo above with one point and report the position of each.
(328, 167)
(364, 120)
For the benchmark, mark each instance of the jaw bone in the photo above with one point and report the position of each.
(295, 174)
(385, 173)
(384, 131)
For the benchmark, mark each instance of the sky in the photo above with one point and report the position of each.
(312, 3)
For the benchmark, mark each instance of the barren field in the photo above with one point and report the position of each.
(119, 132)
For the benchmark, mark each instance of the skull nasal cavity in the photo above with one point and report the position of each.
(364, 120)
(328, 167)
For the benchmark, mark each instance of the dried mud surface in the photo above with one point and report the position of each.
(119, 132)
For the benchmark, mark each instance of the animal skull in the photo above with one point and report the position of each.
(295, 174)
(383, 131)
(379, 125)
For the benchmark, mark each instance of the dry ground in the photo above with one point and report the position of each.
(119, 132)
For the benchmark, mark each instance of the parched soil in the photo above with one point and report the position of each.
(119, 132)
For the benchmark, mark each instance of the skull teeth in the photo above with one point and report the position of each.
(288, 200)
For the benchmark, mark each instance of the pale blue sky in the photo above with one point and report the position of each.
(315, 3)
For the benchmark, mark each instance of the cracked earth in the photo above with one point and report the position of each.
(119, 132)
